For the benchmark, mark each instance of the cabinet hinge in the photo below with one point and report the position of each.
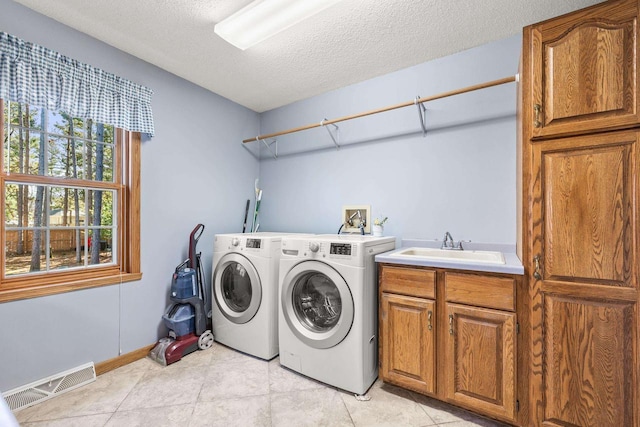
(517, 328)
(517, 405)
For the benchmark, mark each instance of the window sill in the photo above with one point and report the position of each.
(59, 288)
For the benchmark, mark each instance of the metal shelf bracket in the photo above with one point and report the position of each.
(421, 113)
(336, 138)
(269, 144)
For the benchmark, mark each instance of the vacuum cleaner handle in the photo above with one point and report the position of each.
(193, 242)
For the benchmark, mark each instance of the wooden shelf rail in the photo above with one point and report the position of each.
(389, 108)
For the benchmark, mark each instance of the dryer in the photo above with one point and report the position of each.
(245, 292)
(327, 317)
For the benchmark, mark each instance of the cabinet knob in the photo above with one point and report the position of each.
(429, 316)
(537, 108)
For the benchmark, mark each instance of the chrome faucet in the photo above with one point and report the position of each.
(449, 243)
(447, 238)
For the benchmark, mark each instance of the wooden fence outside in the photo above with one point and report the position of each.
(60, 240)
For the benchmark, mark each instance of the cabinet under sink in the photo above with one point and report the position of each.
(451, 335)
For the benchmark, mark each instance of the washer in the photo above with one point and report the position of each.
(327, 319)
(245, 292)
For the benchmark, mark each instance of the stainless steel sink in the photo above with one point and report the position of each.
(485, 257)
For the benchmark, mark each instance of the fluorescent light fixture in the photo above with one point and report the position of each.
(262, 19)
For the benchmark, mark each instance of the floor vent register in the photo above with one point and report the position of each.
(46, 388)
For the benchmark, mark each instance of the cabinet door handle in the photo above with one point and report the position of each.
(429, 315)
(451, 324)
(537, 108)
(536, 272)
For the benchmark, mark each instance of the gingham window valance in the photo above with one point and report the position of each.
(38, 76)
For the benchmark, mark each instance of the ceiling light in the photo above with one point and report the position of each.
(262, 19)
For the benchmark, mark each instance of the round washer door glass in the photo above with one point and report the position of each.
(317, 301)
(317, 304)
(237, 288)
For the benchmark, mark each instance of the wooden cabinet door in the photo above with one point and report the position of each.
(408, 342)
(585, 201)
(584, 71)
(588, 362)
(584, 280)
(480, 359)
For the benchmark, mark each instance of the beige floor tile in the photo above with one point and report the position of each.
(158, 388)
(224, 387)
(243, 377)
(388, 406)
(438, 411)
(222, 353)
(246, 412)
(450, 415)
(283, 380)
(102, 396)
(167, 416)
(86, 421)
(319, 407)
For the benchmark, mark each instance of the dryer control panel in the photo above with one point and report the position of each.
(253, 243)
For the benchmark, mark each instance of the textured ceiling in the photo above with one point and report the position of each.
(349, 42)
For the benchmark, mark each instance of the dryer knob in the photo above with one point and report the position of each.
(235, 241)
(313, 246)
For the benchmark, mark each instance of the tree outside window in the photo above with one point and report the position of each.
(67, 210)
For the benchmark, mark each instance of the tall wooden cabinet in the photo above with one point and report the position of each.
(579, 153)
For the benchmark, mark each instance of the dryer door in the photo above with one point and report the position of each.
(317, 304)
(236, 288)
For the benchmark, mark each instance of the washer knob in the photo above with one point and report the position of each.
(314, 246)
(235, 241)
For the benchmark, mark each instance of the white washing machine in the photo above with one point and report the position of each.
(245, 292)
(327, 319)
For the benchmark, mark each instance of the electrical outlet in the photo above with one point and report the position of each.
(351, 219)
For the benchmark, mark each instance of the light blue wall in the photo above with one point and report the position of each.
(193, 171)
(461, 177)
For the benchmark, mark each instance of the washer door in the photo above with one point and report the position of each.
(317, 304)
(237, 288)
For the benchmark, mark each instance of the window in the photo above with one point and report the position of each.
(70, 191)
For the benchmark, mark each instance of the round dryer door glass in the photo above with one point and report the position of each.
(237, 290)
(317, 302)
(236, 287)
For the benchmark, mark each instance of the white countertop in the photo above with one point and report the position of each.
(512, 264)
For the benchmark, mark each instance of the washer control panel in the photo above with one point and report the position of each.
(340, 249)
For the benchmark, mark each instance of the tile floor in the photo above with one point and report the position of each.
(222, 387)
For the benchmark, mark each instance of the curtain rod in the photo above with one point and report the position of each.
(389, 108)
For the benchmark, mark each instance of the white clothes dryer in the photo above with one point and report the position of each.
(327, 319)
(245, 292)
